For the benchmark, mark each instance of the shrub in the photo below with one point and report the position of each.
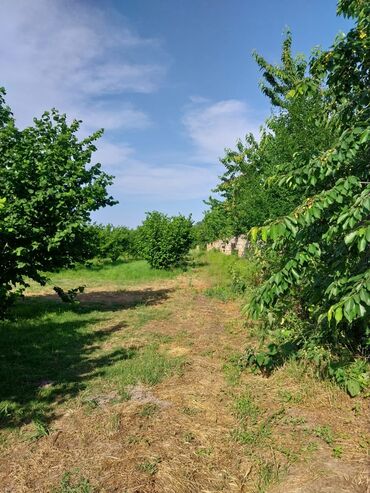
(165, 241)
(112, 242)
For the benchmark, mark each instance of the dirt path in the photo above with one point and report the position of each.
(183, 435)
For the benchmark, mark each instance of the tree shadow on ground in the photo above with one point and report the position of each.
(101, 301)
(49, 350)
(198, 263)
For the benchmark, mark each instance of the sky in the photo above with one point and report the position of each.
(172, 82)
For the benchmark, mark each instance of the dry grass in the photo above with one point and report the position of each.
(202, 426)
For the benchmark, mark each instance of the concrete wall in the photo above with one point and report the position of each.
(237, 243)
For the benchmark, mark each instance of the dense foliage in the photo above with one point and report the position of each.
(48, 189)
(323, 243)
(112, 242)
(165, 241)
(303, 191)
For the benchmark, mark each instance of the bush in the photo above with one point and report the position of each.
(50, 188)
(112, 242)
(165, 241)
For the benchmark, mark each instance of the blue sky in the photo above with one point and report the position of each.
(172, 82)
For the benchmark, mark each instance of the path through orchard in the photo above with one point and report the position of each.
(204, 427)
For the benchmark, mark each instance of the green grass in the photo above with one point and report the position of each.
(71, 484)
(148, 410)
(55, 355)
(326, 433)
(147, 365)
(118, 274)
(144, 314)
(231, 277)
(149, 466)
(246, 409)
(52, 352)
(255, 426)
(44, 353)
(269, 473)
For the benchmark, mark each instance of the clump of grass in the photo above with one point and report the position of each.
(253, 436)
(147, 366)
(255, 426)
(190, 411)
(290, 397)
(269, 472)
(245, 408)
(337, 452)
(189, 437)
(204, 452)
(148, 410)
(41, 429)
(114, 423)
(149, 466)
(231, 369)
(222, 293)
(326, 433)
(68, 484)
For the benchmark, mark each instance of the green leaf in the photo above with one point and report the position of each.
(362, 245)
(365, 296)
(253, 233)
(260, 358)
(338, 314)
(350, 237)
(353, 388)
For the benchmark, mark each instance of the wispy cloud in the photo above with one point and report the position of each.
(154, 180)
(112, 116)
(212, 127)
(74, 56)
(170, 181)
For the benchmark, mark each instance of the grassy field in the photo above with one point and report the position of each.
(51, 350)
(138, 389)
(119, 275)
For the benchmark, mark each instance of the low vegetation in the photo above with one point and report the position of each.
(120, 381)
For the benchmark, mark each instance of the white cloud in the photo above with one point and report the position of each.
(136, 177)
(170, 182)
(109, 78)
(213, 127)
(113, 157)
(112, 117)
(74, 56)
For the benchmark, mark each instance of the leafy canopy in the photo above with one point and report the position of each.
(323, 243)
(165, 241)
(48, 188)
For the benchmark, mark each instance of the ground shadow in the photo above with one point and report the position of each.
(102, 301)
(48, 350)
(198, 263)
(104, 264)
